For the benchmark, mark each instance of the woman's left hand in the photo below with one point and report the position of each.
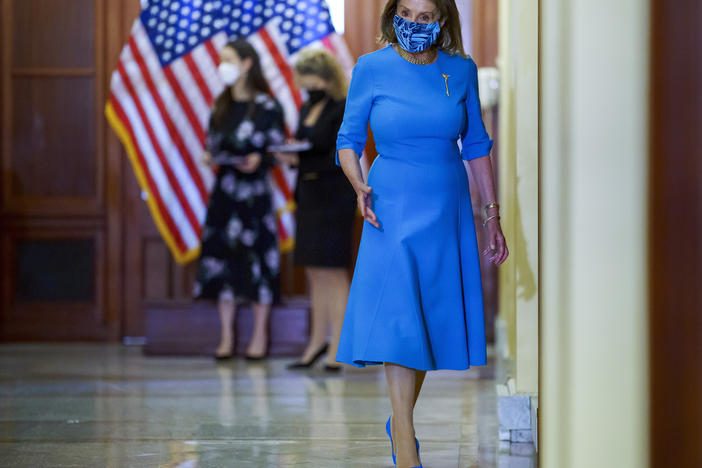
(252, 162)
(497, 246)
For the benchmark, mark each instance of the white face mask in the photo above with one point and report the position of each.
(228, 73)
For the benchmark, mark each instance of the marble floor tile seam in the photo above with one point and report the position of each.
(28, 379)
(467, 425)
(345, 387)
(243, 378)
(301, 386)
(470, 448)
(191, 396)
(183, 438)
(258, 411)
(291, 420)
(425, 400)
(139, 371)
(314, 438)
(269, 423)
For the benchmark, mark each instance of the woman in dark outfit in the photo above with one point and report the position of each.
(239, 260)
(416, 301)
(326, 205)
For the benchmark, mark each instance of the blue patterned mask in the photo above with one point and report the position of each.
(415, 37)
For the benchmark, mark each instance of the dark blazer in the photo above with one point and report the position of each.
(320, 158)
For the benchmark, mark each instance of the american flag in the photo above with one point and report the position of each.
(165, 84)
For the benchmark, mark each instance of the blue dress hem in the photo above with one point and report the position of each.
(362, 363)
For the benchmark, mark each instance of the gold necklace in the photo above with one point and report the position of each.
(410, 58)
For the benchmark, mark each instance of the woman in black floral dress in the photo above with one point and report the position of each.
(239, 258)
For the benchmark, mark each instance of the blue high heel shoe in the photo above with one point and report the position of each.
(392, 448)
(420, 460)
(388, 430)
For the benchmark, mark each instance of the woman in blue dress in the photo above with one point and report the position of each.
(415, 302)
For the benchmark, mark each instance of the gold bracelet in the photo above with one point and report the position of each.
(492, 205)
(491, 217)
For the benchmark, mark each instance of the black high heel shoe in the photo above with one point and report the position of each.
(250, 357)
(264, 356)
(306, 365)
(224, 357)
(332, 368)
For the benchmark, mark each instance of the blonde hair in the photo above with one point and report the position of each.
(321, 63)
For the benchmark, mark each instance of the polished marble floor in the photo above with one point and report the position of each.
(86, 405)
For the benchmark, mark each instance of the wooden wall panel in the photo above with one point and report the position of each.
(675, 239)
(362, 25)
(42, 310)
(52, 117)
(157, 261)
(183, 280)
(485, 32)
(134, 210)
(485, 46)
(4, 114)
(115, 174)
(50, 155)
(53, 34)
(133, 318)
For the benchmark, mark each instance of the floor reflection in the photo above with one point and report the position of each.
(109, 406)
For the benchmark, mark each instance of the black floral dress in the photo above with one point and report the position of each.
(239, 253)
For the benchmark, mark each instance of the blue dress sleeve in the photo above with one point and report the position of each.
(354, 128)
(475, 140)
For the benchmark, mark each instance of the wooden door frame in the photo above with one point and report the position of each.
(675, 227)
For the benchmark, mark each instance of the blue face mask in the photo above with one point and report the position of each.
(415, 37)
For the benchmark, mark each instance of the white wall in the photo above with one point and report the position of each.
(337, 9)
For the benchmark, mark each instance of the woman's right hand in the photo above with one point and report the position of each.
(207, 159)
(291, 159)
(365, 203)
(250, 164)
(351, 166)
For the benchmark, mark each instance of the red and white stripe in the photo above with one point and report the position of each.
(174, 114)
(165, 112)
(275, 63)
(162, 183)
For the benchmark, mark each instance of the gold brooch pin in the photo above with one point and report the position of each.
(446, 77)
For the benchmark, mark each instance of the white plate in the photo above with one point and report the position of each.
(291, 147)
(230, 160)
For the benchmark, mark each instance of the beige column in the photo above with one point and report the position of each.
(507, 174)
(593, 396)
(526, 222)
(519, 185)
